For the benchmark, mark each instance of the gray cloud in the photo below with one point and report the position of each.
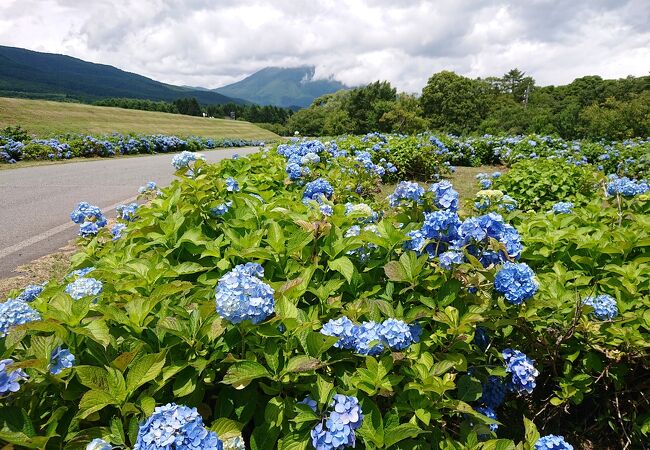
(210, 43)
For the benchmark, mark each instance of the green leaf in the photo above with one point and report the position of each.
(93, 401)
(92, 377)
(226, 428)
(240, 374)
(23, 440)
(344, 266)
(145, 369)
(303, 363)
(297, 440)
(404, 431)
(469, 389)
(530, 432)
(394, 271)
(98, 331)
(264, 437)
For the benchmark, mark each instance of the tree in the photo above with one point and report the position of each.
(454, 103)
(189, 106)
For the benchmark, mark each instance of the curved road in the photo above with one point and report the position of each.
(35, 202)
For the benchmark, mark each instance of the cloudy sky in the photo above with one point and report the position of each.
(211, 43)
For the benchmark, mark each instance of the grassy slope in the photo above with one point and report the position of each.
(45, 118)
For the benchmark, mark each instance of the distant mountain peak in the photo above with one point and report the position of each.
(282, 86)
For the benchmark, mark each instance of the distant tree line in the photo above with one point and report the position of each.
(587, 107)
(271, 115)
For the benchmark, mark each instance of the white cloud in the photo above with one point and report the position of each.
(211, 43)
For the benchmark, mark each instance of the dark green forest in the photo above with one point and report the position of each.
(588, 107)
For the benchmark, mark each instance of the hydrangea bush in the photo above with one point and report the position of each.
(277, 324)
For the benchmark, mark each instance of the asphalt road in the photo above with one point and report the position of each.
(35, 202)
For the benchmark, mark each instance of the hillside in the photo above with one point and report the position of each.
(45, 118)
(26, 73)
(279, 86)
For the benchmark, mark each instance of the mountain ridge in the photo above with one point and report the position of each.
(30, 73)
(282, 86)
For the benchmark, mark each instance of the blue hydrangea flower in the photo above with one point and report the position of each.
(80, 272)
(327, 210)
(510, 237)
(127, 212)
(61, 359)
(242, 295)
(221, 209)
(441, 225)
(496, 174)
(184, 159)
(417, 241)
(117, 229)
(234, 443)
(485, 183)
(396, 334)
(626, 186)
(310, 158)
(552, 442)
(562, 208)
(232, 185)
(85, 212)
(338, 430)
(317, 189)
(406, 190)
(445, 197)
(342, 328)
(15, 312)
(494, 392)
(176, 427)
(450, 258)
(368, 340)
(84, 287)
(294, 170)
(489, 413)
(88, 229)
(98, 444)
(605, 307)
(10, 379)
(309, 402)
(481, 338)
(516, 281)
(30, 292)
(522, 369)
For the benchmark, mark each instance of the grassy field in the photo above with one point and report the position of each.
(45, 118)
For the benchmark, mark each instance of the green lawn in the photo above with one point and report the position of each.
(46, 118)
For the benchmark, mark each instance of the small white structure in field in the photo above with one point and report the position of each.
(297, 133)
(205, 115)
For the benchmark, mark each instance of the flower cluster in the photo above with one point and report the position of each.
(184, 159)
(98, 444)
(232, 185)
(9, 379)
(626, 186)
(604, 306)
(562, 208)
(176, 427)
(494, 392)
(552, 442)
(127, 212)
(15, 312)
(234, 443)
(30, 292)
(116, 230)
(90, 218)
(84, 287)
(406, 190)
(370, 338)
(299, 156)
(362, 212)
(337, 431)
(522, 369)
(242, 295)
(149, 187)
(317, 189)
(494, 200)
(221, 209)
(516, 281)
(484, 180)
(61, 359)
(445, 197)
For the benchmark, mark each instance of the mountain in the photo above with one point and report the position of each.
(31, 74)
(281, 86)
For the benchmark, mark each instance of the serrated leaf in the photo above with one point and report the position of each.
(344, 266)
(144, 369)
(240, 374)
